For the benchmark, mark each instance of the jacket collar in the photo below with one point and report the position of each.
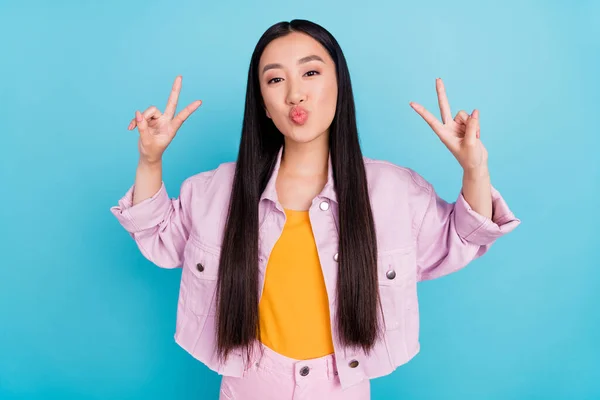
(270, 192)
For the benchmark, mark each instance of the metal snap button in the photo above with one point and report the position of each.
(324, 206)
(200, 267)
(391, 274)
(353, 364)
(304, 371)
(335, 256)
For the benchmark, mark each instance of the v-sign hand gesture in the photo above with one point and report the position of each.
(460, 135)
(156, 129)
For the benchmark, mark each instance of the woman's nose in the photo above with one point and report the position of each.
(296, 94)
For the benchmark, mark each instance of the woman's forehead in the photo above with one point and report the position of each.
(292, 48)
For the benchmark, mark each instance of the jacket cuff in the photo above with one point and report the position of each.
(478, 229)
(144, 215)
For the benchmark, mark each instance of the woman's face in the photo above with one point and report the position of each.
(299, 86)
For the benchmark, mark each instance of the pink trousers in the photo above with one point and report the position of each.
(277, 377)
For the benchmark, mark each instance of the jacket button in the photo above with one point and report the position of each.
(353, 364)
(200, 267)
(335, 256)
(324, 206)
(391, 274)
(304, 371)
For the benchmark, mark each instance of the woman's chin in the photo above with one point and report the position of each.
(301, 137)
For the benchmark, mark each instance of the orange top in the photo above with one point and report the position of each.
(294, 306)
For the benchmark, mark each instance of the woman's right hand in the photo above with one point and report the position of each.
(156, 129)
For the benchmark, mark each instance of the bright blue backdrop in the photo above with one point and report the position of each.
(84, 316)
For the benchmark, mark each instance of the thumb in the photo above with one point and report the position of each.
(142, 124)
(472, 128)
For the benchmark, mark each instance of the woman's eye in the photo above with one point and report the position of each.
(277, 80)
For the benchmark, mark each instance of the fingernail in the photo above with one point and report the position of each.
(138, 116)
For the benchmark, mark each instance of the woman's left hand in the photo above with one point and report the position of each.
(460, 135)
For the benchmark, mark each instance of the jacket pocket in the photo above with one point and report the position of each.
(199, 275)
(396, 270)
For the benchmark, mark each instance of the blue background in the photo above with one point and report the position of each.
(84, 316)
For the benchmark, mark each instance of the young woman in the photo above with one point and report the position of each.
(300, 260)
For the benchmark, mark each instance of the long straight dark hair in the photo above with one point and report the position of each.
(357, 287)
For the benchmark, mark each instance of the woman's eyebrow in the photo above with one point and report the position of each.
(303, 60)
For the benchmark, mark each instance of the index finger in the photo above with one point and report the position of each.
(173, 97)
(443, 101)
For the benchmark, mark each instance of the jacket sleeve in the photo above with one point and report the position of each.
(159, 225)
(452, 234)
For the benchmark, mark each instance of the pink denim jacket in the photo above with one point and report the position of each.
(420, 236)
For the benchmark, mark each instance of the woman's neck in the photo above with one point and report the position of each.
(306, 160)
